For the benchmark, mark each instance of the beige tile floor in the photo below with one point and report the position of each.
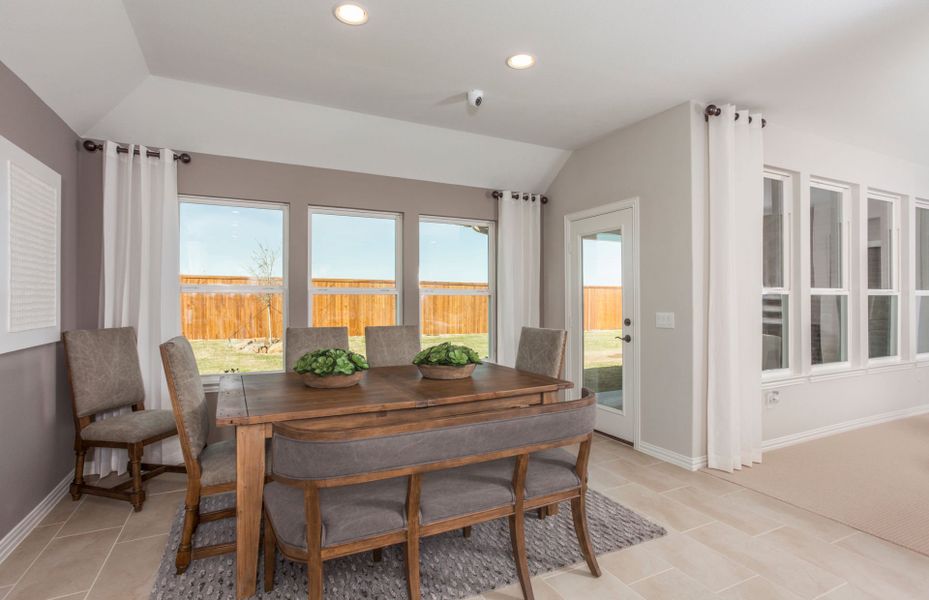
(723, 541)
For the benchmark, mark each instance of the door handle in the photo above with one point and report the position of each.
(626, 338)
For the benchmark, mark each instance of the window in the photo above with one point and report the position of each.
(922, 278)
(354, 270)
(775, 298)
(883, 287)
(232, 284)
(456, 283)
(828, 274)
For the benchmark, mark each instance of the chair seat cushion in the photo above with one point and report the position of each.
(131, 427)
(349, 513)
(217, 463)
(482, 486)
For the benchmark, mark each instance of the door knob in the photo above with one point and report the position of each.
(627, 322)
(626, 338)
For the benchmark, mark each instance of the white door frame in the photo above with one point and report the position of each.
(572, 309)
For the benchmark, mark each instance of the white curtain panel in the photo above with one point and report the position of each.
(140, 285)
(519, 224)
(736, 184)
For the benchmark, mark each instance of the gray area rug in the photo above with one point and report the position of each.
(452, 566)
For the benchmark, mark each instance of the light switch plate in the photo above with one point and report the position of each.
(664, 320)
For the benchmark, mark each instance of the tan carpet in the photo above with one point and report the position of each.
(875, 479)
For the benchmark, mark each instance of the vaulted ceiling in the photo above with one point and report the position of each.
(851, 70)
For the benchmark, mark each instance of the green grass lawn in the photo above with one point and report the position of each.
(602, 354)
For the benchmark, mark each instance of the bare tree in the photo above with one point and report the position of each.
(264, 260)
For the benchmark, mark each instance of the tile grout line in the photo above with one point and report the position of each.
(108, 554)
(631, 583)
(44, 548)
(827, 592)
(69, 594)
(738, 583)
(71, 535)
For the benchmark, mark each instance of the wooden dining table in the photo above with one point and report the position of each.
(253, 403)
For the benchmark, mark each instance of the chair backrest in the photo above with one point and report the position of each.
(301, 340)
(103, 366)
(187, 398)
(391, 345)
(541, 351)
(392, 451)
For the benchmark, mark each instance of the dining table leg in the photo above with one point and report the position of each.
(250, 473)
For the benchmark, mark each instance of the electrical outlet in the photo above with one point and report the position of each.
(772, 399)
(664, 320)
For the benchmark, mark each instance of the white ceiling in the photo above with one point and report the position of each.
(851, 70)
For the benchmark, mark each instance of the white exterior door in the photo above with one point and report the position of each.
(601, 316)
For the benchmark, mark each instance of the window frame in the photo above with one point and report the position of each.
(845, 290)
(894, 290)
(491, 292)
(787, 202)
(918, 204)
(220, 288)
(396, 291)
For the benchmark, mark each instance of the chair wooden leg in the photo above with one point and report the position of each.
(191, 521)
(78, 482)
(137, 497)
(314, 577)
(466, 531)
(270, 555)
(412, 567)
(518, 541)
(579, 512)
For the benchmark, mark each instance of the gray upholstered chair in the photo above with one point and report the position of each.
(391, 345)
(211, 468)
(301, 340)
(541, 351)
(340, 491)
(103, 368)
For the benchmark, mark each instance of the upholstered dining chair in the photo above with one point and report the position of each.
(541, 351)
(104, 372)
(211, 468)
(355, 485)
(301, 340)
(391, 345)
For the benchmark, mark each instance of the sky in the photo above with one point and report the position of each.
(220, 240)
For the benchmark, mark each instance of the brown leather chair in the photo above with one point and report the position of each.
(211, 468)
(103, 369)
(349, 487)
(301, 340)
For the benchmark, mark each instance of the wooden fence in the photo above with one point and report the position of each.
(208, 315)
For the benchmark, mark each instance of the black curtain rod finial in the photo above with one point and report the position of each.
(497, 194)
(714, 111)
(92, 146)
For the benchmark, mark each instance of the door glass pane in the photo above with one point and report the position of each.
(922, 324)
(828, 327)
(880, 250)
(454, 261)
(882, 326)
(922, 249)
(773, 241)
(602, 275)
(774, 328)
(825, 238)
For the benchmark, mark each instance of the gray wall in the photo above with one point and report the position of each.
(35, 406)
(650, 160)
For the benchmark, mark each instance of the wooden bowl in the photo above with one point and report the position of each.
(446, 371)
(332, 381)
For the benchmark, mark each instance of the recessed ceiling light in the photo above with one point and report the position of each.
(520, 61)
(350, 14)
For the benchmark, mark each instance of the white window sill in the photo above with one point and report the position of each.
(831, 373)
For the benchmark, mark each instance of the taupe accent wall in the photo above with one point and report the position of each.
(651, 160)
(35, 411)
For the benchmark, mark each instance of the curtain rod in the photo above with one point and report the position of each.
(92, 146)
(714, 111)
(497, 194)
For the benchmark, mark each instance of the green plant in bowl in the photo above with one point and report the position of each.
(331, 368)
(447, 361)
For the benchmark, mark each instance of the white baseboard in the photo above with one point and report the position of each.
(691, 463)
(16, 535)
(820, 432)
